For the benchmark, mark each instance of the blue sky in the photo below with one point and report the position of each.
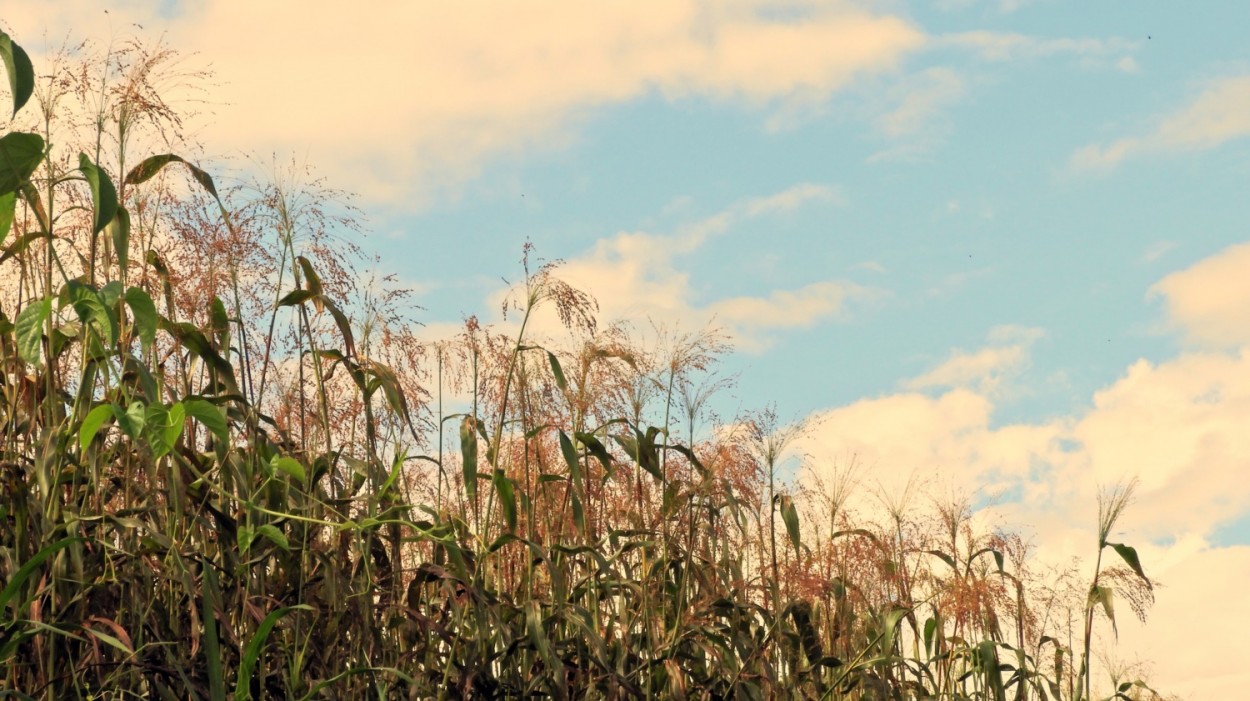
(995, 241)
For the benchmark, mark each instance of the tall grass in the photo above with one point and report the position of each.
(228, 471)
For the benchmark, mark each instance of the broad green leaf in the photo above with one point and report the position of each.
(21, 72)
(29, 327)
(274, 535)
(20, 155)
(119, 231)
(1129, 555)
(251, 653)
(244, 537)
(91, 424)
(93, 311)
(290, 466)
(144, 311)
(210, 415)
(162, 427)
(132, 419)
(103, 194)
(468, 454)
(8, 205)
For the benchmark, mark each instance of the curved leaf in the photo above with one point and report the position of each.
(1129, 555)
(92, 423)
(119, 231)
(103, 194)
(254, 646)
(20, 155)
(29, 327)
(21, 72)
(144, 311)
(210, 415)
(8, 205)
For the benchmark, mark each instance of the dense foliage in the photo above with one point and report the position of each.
(223, 472)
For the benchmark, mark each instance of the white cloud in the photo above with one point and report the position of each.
(1220, 113)
(1209, 302)
(406, 97)
(920, 99)
(1008, 46)
(637, 275)
(1179, 426)
(987, 370)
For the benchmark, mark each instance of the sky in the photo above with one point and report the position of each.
(1001, 244)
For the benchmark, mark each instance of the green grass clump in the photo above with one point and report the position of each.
(226, 471)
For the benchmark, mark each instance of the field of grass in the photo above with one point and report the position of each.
(230, 469)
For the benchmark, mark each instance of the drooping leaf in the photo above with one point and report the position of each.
(274, 535)
(575, 473)
(289, 466)
(1129, 555)
(119, 231)
(21, 72)
(210, 416)
(93, 311)
(294, 297)
(153, 165)
(143, 310)
(507, 497)
(103, 194)
(20, 155)
(557, 371)
(92, 423)
(8, 206)
(29, 327)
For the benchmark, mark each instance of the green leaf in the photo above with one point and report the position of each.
(575, 472)
(144, 312)
(29, 327)
(210, 416)
(8, 205)
(252, 652)
(92, 423)
(20, 155)
(274, 535)
(557, 371)
(290, 466)
(468, 454)
(21, 72)
(93, 311)
(132, 419)
(295, 297)
(119, 231)
(163, 426)
(790, 515)
(153, 165)
(103, 194)
(1129, 555)
(507, 497)
(28, 568)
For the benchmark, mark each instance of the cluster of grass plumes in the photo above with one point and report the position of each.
(224, 473)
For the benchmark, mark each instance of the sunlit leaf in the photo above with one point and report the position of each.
(103, 194)
(92, 423)
(21, 72)
(20, 155)
(29, 327)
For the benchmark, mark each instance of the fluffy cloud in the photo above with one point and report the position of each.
(403, 97)
(1209, 302)
(1178, 426)
(636, 275)
(1219, 114)
(988, 369)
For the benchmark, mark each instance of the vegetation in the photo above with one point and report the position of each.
(224, 473)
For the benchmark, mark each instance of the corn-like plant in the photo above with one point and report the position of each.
(228, 471)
